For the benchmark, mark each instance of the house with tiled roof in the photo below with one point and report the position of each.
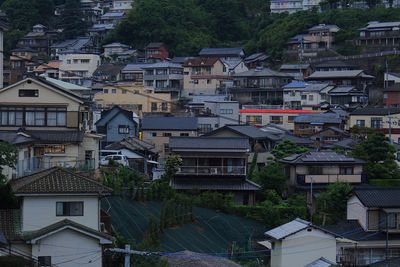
(58, 219)
(49, 124)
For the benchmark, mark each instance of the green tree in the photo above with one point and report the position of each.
(380, 157)
(272, 176)
(172, 166)
(288, 148)
(22, 14)
(8, 158)
(72, 22)
(332, 203)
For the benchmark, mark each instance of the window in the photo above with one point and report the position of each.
(315, 170)
(113, 91)
(153, 106)
(164, 106)
(208, 81)
(251, 119)
(346, 170)
(69, 208)
(167, 134)
(44, 261)
(184, 134)
(123, 91)
(376, 123)
(76, 61)
(56, 116)
(35, 117)
(311, 97)
(303, 97)
(85, 61)
(123, 129)
(28, 93)
(54, 149)
(360, 123)
(291, 119)
(68, 61)
(105, 91)
(196, 81)
(154, 134)
(204, 128)
(166, 148)
(11, 116)
(226, 111)
(276, 119)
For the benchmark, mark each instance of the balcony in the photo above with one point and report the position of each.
(212, 170)
(307, 179)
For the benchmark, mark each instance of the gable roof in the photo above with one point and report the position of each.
(246, 130)
(110, 114)
(379, 197)
(44, 83)
(338, 74)
(133, 144)
(201, 62)
(291, 228)
(262, 72)
(154, 45)
(57, 180)
(34, 236)
(321, 262)
(211, 143)
(170, 123)
(375, 111)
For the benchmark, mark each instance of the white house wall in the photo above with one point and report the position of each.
(40, 211)
(357, 211)
(69, 248)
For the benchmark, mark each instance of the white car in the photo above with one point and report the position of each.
(119, 159)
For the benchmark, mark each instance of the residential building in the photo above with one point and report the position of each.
(78, 67)
(289, 6)
(133, 73)
(302, 95)
(318, 39)
(3, 27)
(197, 102)
(121, 5)
(229, 53)
(164, 77)
(372, 225)
(50, 69)
(141, 155)
(328, 137)
(59, 218)
(297, 71)
(47, 122)
(158, 130)
(40, 39)
(301, 243)
(334, 65)
(118, 51)
(134, 98)
(263, 115)
(217, 114)
(203, 76)
(258, 86)
(78, 44)
(22, 61)
(155, 52)
(380, 119)
(108, 72)
(391, 96)
(112, 17)
(99, 31)
(380, 35)
(292, 93)
(392, 78)
(256, 60)
(347, 96)
(319, 169)
(357, 78)
(116, 124)
(233, 66)
(307, 125)
(214, 164)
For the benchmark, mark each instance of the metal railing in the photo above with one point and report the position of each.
(35, 164)
(264, 107)
(212, 170)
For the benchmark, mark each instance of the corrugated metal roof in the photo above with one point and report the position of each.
(288, 229)
(214, 184)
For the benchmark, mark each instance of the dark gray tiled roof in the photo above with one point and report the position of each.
(375, 111)
(214, 184)
(252, 132)
(51, 228)
(57, 136)
(231, 143)
(57, 181)
(221, 51)
(318, 118)
(321, 157)
(169, 123)
(379, 197)
(10, 224)
(334, 63)
(347, 143)
(131, 143)
(264, 72)
(15, 138)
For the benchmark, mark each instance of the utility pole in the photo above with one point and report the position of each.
(128, 252)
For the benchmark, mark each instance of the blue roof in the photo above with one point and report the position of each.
(296, 84)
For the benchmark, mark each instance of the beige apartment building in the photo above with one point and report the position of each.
(133, 98)
(203, 75)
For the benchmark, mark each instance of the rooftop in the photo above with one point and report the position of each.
(319, 118)
(338, 74)
(210, 143)
(163, 64)
(170, 123)
(201, 62)
(379, 197)
(57, 181)
(214, 184)
(321, 157)
(294, 66)
(220, 52)
(134, 67)
(375, 111)
(261, 72)
(131, 143)
(319, 27)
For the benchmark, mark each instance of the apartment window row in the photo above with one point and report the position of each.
(156, 106)
(167, 134)
(48, 149)
(276, 119)
(77, 61)
(253, 119)
(123, 129)
(10, 116)
(226, 111)
(204, 128)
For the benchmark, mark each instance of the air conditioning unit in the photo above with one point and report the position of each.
(214, 170)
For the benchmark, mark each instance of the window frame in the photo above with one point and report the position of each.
(66, 208)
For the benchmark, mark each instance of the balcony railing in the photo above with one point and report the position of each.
(329, 178)
(212, 170)
(35, 164)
